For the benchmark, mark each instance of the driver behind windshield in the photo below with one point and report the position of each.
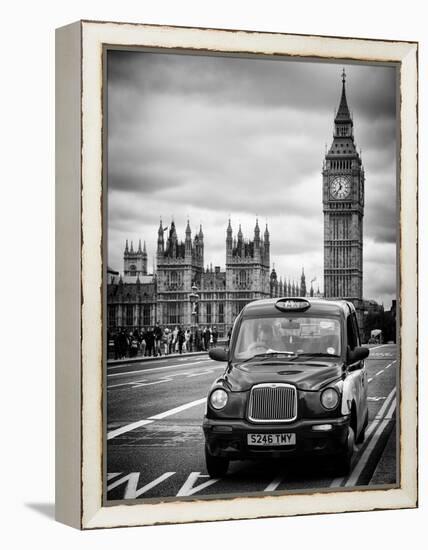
(264, 340)
(265, 336)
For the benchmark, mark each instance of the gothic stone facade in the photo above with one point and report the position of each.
(222, 294)
(343, 206)
(137, 299)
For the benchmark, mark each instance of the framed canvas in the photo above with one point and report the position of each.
(236, 274)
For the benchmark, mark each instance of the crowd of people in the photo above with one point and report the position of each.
(156, 341)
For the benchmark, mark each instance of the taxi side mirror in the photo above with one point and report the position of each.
(219, 354)
(357, 354)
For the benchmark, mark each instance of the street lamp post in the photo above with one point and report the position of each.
(194, 297)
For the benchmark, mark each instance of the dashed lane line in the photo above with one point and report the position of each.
(382, 370)
(181, 365)
(134, 425)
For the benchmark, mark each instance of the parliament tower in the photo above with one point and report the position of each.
(343, 207)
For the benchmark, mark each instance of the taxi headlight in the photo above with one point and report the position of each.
(329, 398)
(218, 399)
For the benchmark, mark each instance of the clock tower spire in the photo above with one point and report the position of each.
(343, 207)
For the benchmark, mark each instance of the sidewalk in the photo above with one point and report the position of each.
(141, 358)
(386, 469)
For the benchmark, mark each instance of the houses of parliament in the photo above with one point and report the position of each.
(137, 299)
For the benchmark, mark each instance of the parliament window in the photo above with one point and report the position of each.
(221, 313)
(173, 314)
(129, 315)
(112, 316)
(146, 315)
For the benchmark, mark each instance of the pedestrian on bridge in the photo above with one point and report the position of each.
(158, 334)
(180, 338)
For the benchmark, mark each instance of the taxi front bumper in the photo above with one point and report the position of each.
(229, 438)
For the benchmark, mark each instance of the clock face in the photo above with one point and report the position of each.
(340, 187)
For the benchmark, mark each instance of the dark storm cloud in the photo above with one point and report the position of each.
(253, 81)
(208, 137)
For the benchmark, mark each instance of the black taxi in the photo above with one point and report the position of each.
(295, 383)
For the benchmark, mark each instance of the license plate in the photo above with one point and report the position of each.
(269, 440)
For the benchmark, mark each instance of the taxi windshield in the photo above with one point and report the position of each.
(291, 336)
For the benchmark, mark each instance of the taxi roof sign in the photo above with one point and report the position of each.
(292, 304)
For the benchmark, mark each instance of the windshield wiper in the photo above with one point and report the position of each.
(270, 354)
(317, 354)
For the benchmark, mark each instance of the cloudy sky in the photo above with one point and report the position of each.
(205, 138)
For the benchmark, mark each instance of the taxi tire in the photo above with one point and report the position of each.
(344, 459)
(360, 439)
(217, 466)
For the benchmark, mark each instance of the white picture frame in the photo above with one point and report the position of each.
(79, 272)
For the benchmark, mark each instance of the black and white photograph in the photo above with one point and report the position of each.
(251, 275)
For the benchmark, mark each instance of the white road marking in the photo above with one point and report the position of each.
(369, 380)
(140, 423)
(151, 383)
(139, 383)
(178, 409)
(375, 398)
(382, 410)
(111, 367)
(381, 346)
(131, 481)
(390, 413)
(125, 384)
(188, 487)
(379, 372)
(113, 475)
(200, 373)
(274, 484)
(157, 368)
(128, 428)
(362, 463)
(337, 482)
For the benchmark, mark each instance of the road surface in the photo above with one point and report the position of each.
(155, 443)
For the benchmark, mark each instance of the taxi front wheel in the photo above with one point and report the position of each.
(217, 466)
(362, 436)
(344, 459)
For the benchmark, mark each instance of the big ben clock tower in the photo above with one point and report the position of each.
(343, 206)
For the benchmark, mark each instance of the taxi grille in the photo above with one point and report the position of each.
(272, 403)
